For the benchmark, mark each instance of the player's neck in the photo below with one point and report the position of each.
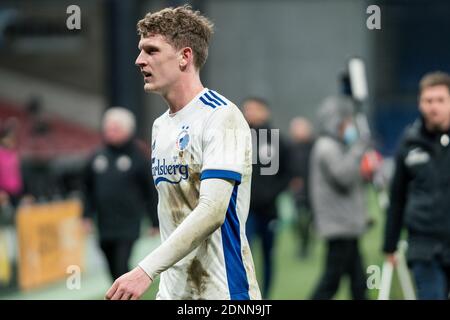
(182, 93)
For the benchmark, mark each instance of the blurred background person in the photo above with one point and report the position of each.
(39, 121)
(262, 219)
(300, 150)
(42, 147)
(338, 197)
(119, 190)
(11, 189)
(11, 184)
(420, 191)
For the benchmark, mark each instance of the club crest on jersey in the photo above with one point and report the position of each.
(183, 139)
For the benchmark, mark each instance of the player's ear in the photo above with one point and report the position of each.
(186, 55)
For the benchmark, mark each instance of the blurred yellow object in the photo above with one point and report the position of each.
(50, 241)
(5, 264)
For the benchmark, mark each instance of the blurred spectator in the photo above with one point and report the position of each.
(11, 185)
(300, 151)
(119, 189)
(38, 178)
(265, 188)
(11, 188)
(40, 183)
(40, 125)
(338, 197)
(420, 191)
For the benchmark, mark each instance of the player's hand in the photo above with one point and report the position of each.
(392, 258)
(130, 286)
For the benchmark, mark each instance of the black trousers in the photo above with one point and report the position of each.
(343, 258)
(117, 253)
(303, 229)
(263, 226)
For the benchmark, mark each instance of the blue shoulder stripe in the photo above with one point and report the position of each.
(216, 95)
(207, 103)
(212, 99)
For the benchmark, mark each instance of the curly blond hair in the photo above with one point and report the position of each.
(182, 27)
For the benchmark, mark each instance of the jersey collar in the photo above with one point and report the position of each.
(186, 108)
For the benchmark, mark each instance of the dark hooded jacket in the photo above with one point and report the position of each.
(420, 195)
(267, 187)
(119, 191)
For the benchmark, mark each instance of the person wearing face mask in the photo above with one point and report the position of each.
(420, 192)
(338, 197)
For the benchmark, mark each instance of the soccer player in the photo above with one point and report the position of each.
(201, 165)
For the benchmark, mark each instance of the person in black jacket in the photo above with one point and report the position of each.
(302, 141)
(420, 191)
(119, 190)
(269, 179)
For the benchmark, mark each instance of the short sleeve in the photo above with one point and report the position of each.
(226, 140)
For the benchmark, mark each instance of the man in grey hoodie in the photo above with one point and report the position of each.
(338, 198)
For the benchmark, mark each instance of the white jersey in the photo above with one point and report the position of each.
(208, 138)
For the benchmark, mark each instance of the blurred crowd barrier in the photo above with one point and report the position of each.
(50, 241)
(44, 246)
